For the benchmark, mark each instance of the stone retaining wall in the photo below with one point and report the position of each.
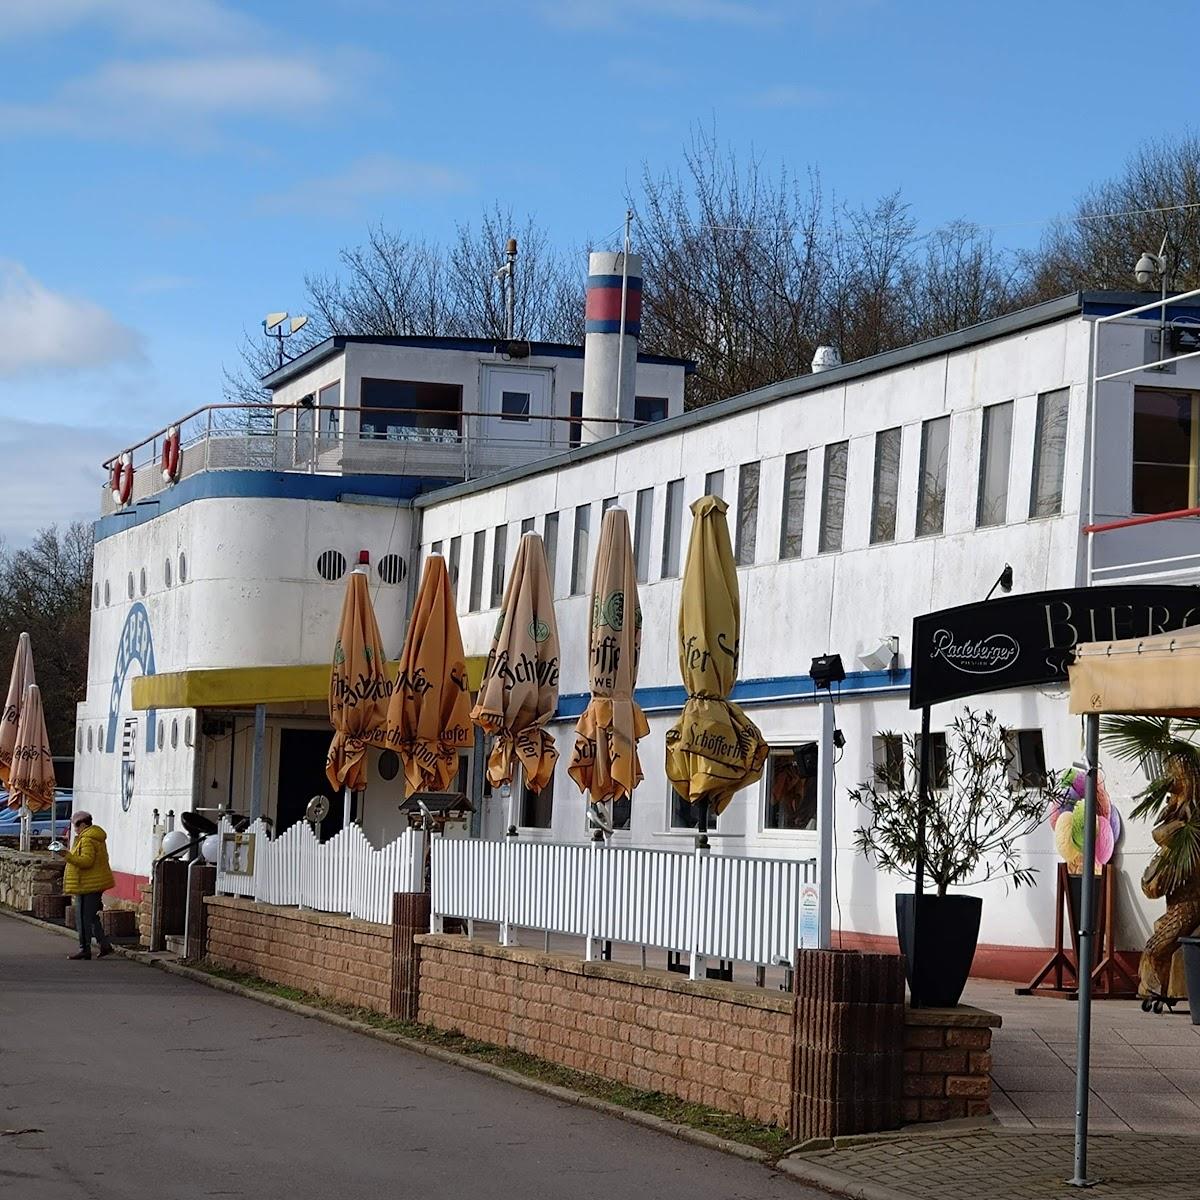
(337, 957)
(947, 1063)
(725, 1045)
(25, 875)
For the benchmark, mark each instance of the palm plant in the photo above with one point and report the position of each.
(1168, 751)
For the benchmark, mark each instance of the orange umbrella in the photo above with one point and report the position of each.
(605, 759)
(31, 781)
(358, 686)
(519, 692)
(22, 676)
(429, 717)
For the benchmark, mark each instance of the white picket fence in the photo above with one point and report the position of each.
(756, 910)
(346, 874)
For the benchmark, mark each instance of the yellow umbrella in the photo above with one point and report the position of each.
(358, 686)
(519, 692)
(22, 676)
(605, 759)
(429, 717)
(714, 749)
(31, 781)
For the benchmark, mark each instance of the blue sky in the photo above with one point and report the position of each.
(172, 168)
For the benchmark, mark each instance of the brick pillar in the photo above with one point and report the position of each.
(203, 883)
(410, 917)
(847, 1043)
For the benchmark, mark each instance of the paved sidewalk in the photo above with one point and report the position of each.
(1004, 1165)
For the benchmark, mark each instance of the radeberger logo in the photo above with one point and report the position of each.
(979, 656)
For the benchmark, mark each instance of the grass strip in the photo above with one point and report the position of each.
(769, 1138)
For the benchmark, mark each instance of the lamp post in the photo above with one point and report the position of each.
(825, 671)
(1149, 268)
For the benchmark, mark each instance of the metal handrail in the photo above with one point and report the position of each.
(266, 406)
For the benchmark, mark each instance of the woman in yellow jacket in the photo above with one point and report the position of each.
(87, 877)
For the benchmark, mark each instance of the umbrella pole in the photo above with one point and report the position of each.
(1083, 1038)
(702, 824)
(347, 801)
(26, 817)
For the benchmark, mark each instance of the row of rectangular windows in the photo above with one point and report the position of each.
(1050, 439)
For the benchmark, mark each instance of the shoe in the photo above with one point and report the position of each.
(105, 951)
(78, 955)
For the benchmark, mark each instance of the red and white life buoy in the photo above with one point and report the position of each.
(122, 479)
(170, 455)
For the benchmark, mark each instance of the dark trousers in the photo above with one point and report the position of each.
(87, 921)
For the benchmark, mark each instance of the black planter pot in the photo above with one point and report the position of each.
(938, 935)
(1191, 967)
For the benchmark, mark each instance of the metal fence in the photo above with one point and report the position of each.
(754, 910)
(346, 874)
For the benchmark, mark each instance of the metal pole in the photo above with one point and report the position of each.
(825, 818)
(1083, 1037)
(624, 298)
(919, 865)
(256, 769)
(1091, 411)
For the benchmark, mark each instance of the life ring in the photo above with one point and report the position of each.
(170, 455)
(122, 479)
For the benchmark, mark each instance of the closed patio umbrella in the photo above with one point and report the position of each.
(714, 749)
(429, 717)
(519, 692)
(604, 761)
(31, 780)
(358, 688)
(22, 676)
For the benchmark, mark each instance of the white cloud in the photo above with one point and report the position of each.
(185, 22)
(60, 475)
(43, 330)
(790, 95)
(376, 176)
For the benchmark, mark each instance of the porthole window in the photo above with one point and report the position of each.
(187, 731)
(162, 735)
(389, 765)
(331, 565)
(182, 568)
(142, 581)
(167, 572)
(174, 733)
(89, 739)
(129, 585)
(392, 568)
(95, 595)
(107, 594)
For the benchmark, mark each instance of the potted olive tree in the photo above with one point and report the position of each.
(976, 811)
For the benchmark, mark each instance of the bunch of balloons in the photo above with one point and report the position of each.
(1066, 819)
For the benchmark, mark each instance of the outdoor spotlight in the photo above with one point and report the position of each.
(826, 669)
(839, 739)
(1004, 582)
(805, 756)
(307, 401)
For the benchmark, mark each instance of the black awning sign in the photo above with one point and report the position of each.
(1028, 640)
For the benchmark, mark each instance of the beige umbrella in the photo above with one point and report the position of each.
(604, 761)
(358, 688)
(22, 676)
(519, 692)
(429, 717)
(714, 749)
(31, 781)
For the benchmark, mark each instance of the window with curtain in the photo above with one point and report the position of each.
(1049, 453)
(935, 470)
(995, 455)
(886, 488)
(643, 515)
(747, 513)
(672, 529)
(791, 534)
(833, 496)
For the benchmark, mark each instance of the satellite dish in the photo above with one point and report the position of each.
(298, 323)
(274, 320)
(317, 810)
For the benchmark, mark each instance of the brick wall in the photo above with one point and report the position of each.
(337, 957)
(947, 1063)
(29, 874)
(721, 1044)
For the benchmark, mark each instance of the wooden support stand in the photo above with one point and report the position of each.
(1060, 976)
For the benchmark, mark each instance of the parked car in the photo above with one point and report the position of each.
(10, 818)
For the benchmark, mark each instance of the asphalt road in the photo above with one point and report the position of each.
(119, 1082)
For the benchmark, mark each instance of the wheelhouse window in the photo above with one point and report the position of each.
(643, 514)
(329, 401)
(1049, 453)
(672, 529)
(833, 497)
(1166, 426)
(995, 453)
(406, 410)
(886, 486)
(791, 787)
(649, 408)
(747, 513)
(791, 536)
(935, 470)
